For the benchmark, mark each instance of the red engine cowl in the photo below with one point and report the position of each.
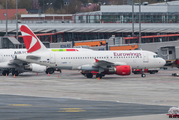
(123, 70)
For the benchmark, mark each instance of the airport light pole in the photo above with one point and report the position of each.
(16, 20)
(139, 21)
(6, 18)
(132, 18)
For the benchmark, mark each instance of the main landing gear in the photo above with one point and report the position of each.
(5, 72)
(89, 75)
(50, 71)
(99, 75)
(15, 72)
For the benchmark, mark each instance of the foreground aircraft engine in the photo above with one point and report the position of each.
(123, 70)
(35, 68)
(118, 70)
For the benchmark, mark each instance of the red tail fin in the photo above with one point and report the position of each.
(31, 41)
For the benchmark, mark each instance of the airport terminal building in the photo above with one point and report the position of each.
(155, 13)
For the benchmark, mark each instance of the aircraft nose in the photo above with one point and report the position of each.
(162, 61)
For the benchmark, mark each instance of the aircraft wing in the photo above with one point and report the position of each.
(12, 64)
(106, 64)
(17, 62)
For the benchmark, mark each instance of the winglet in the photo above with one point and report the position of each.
(31, 41)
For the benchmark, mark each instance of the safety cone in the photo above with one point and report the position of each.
(6, 74)
(14, 76)
(98, 78)
(37, 73)
(48, 74)
(58, 76)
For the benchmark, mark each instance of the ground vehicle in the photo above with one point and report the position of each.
(173, 115)
(151, 71)
(173, 112)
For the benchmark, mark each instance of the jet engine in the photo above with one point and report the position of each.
(121, 70)
(35, 68)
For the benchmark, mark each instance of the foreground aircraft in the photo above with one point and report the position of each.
(8, 65)
(104, 62)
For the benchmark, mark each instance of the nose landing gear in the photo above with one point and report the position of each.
(143, 74)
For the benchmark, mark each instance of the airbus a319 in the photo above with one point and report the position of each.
(104, 62)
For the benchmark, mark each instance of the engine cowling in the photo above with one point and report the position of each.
(123, 70)
(35, 68)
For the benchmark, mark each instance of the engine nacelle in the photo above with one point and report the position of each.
(35, 68)
(122, 70)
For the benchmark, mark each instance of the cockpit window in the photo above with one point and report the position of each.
(155, 56)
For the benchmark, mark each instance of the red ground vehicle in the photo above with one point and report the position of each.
(173, 115)
(139, 71)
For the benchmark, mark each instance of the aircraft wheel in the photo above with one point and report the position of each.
(143, 75)
(16, 73)
(5, 72)
(99, 75)
(50, 71)
(89, 75)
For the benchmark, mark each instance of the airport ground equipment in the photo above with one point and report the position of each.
(151, 71)
(173, 112)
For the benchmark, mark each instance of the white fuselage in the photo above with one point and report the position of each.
(8, 55)
(137, 59)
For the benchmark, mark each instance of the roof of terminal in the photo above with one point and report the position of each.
(167, 3)
(80, 28)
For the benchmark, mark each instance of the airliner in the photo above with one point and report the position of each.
(104, 62)
(7, 64)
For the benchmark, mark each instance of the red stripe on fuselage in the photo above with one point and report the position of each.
(71, 50)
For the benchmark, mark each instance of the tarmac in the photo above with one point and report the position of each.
(71, 96)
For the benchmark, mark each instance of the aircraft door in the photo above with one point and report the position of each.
(52, 58)
(145, 58)
(1, 56)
